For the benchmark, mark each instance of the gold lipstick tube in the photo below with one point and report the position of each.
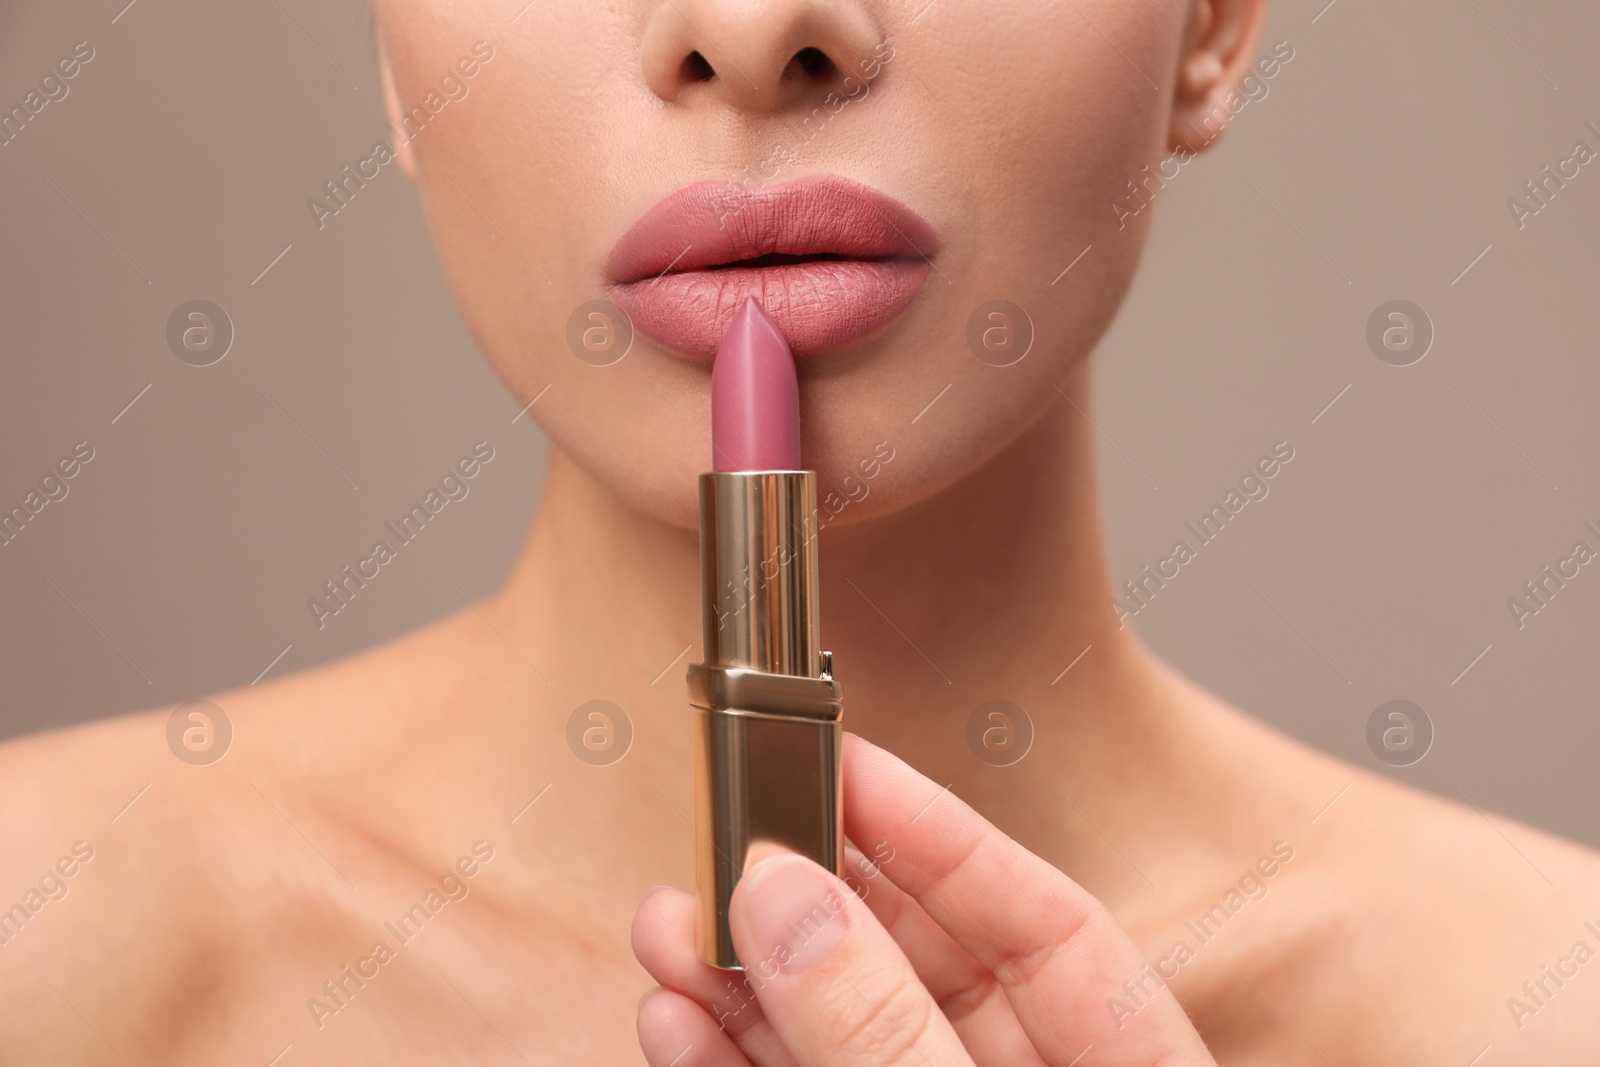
(767, 708)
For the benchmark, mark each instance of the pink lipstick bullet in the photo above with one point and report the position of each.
(755, 396)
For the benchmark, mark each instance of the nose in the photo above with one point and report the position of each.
(756, 55)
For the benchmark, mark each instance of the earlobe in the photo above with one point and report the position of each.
(1218, 49)
(1200, 71)
(391, 109)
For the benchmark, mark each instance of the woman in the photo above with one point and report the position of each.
(401, 860)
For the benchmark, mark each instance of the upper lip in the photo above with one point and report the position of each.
(718, 224)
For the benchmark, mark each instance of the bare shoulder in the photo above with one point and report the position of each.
(86, 782)
(172, 880)
(1411, 928)
(121, 877)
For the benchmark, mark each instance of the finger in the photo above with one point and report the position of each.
(665, 943)
(674, 1031)
(1056, 950)
(831, 980)
(964, 990)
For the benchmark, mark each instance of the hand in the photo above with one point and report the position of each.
(957, 946)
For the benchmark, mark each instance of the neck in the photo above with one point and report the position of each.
(994, 589)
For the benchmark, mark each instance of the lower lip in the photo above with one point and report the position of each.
(818, 306)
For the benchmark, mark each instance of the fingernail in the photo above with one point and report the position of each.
(792, 908)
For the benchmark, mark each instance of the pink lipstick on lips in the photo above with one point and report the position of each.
(768, 730)
(830, 260)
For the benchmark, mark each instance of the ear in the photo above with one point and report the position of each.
(1219, 51)
(391, 109)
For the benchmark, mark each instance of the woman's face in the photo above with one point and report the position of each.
(540, 134)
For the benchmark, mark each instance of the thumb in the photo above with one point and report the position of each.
(831, 980)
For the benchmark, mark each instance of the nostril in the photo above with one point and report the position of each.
(813, 63)
(696, 69)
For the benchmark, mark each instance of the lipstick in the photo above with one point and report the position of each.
(755, 396)
(830, 259)
(768, 730)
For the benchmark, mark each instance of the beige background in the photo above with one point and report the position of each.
(1379, 567)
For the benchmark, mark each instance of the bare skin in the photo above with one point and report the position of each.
(217, 904)
(221, 904)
